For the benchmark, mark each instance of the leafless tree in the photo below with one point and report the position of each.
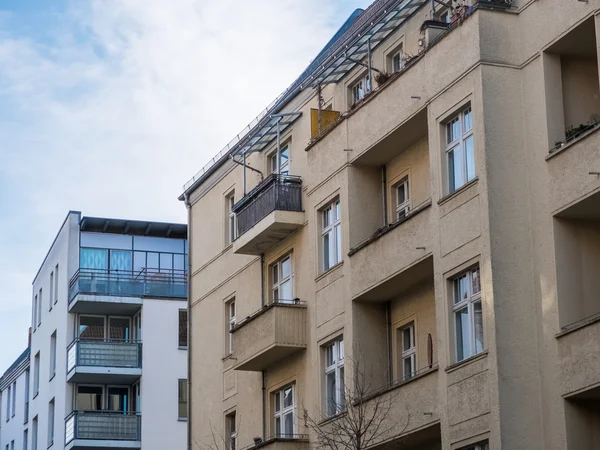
(370, 418)
(215, 440)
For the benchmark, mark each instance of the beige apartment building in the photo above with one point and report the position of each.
(420, 210)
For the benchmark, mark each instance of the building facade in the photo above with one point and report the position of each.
(109, 337)
(418, 213)
(14, 403)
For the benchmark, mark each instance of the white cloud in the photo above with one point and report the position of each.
(123, 103)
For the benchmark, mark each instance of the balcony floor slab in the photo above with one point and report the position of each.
(104, 375)
(272, 229)
(83, 444)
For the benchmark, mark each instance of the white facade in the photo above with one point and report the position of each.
(105, 337)
(14, 423)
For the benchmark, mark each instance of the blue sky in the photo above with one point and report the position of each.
(110, 106)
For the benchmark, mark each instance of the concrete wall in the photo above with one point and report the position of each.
(12, 427)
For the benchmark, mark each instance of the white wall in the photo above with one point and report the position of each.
(13, 429)
(65, 253)
(163, 363)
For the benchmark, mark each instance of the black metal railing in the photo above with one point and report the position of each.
(275, 193)
(104, 353)
(129, 283)
(103, 425)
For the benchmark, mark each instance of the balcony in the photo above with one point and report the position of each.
(271, 334)
(104, 361)
(121, 292)
(288, 442)
(268, 214)
(102, 429)
(394, 259)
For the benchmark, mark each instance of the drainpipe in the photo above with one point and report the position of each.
(189, 319)
(279, 147)
(264, 407)
(369, 63)
(384, 195)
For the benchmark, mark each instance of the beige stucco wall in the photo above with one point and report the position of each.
(511, 394)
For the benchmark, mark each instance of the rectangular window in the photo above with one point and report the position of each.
(51, 291)
(91, 327)
(480, 446)
(281, 280)
(284, 408)
(398, 60)
(468, 316)
(284, 161)
(34, 433)
(335, 394)
(8, 397)
(35, 310)
(182, 399)
(460, 151)
(231, 430)
(25, 436)
(360, 88)
(183, 328)
(56, 284)
(53, 354)
(40, 302)
(14, 399)
(408, 351)
(12, 445)
(230, 232)
(89, 398)
(331, 235)
(51, 423)
(401, 198)
(26, 413)
(230, 312)
(36, 374)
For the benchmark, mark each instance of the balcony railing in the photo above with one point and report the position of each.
(103, 425)
(104, 353)
(141, 283)
(275, 193)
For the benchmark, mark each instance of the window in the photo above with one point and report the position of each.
(481, 446)
(53, 354)
(335, 398)
(34, 433)
(51, 423)
(25, 436)
(26, 418)
(230, 232)
(36, 374)
(468, 317)
(8, 403)
(91, 327)
(56, 284)
(360, 88)
(331, 235)
(35, 309)
(281, 280)
(401, 198)
(460, 151)
(14, 399)
(51, 291)
(89, 398)
(182, 399)
(231, 430)
(284, 407)
(398, 60)
(408, 355)
(40, 302)
(284, 161)
(183, 328)
(12, 445)
(230, 312)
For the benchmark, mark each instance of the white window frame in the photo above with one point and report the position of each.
(53, 338)
(231, 321)
(284, 411)
(230, 232)
(231, 431)
(398, 55)
(336, 347)
(355, 89)
(410, 353)
(402, 208)
(331, 230)
(276, 284)
(471, 299)
(458, 144)
(285, 165)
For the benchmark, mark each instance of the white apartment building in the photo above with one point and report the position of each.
(109, 337)
(14, 404)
